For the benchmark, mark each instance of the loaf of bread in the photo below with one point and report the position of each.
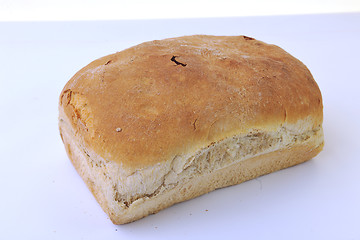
(168, 120)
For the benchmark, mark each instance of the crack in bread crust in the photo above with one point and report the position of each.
(211, 159)
(182, 169)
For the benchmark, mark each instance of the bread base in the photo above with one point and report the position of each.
(233, 174)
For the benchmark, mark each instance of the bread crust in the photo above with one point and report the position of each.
(166, 121)
(180, 189)
(139, 107)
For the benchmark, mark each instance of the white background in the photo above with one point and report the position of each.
(55, 10)
(42, 197)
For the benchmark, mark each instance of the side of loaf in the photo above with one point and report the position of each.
(169, 120)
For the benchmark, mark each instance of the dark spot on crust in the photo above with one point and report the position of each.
(62, 139)
(127, 204)
(248, 38)
(87, 154)
(194, 124)
(108, 62)
(177, 62)
(68, 93)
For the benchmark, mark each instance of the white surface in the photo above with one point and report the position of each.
(42, 197)
(50, 10)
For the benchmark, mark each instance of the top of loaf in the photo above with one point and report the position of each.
(154, 101)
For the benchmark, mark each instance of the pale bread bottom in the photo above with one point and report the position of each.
(234, 174)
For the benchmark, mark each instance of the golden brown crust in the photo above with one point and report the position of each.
(156, 100)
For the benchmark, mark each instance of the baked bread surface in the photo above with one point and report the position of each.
(153, 110)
